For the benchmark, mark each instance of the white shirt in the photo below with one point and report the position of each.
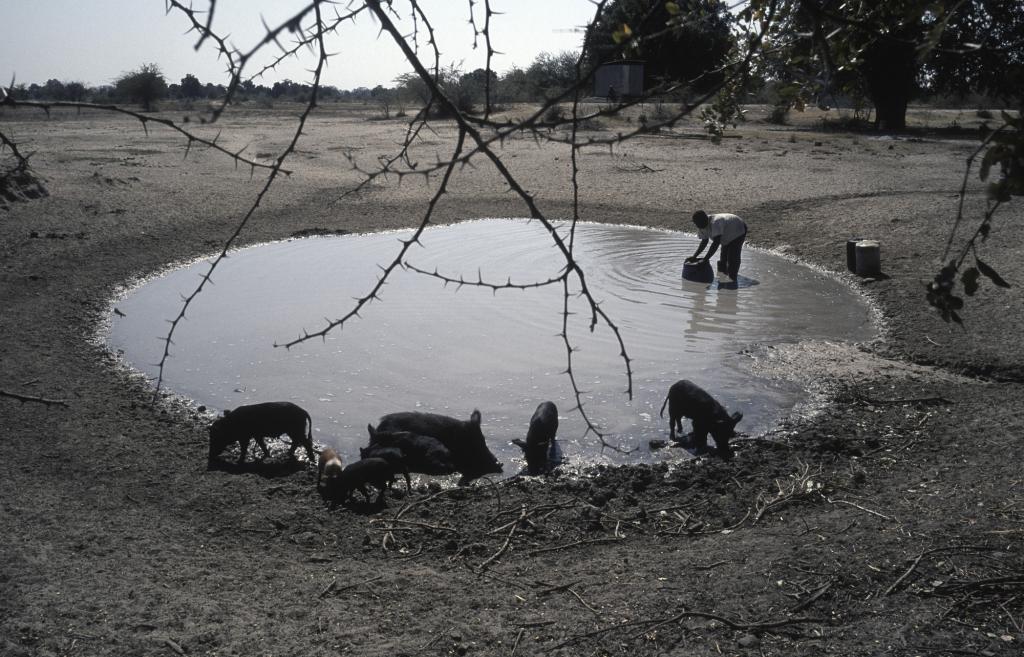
(723, 225)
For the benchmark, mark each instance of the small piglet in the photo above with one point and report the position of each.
(330, 466)
(376, 472)
(540, 438)
(392, 455)
(424, 454)
(687, 399)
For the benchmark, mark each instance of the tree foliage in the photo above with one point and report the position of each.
(191, 87)
(980, 49)
(145, 85)
(891, 52)
(679, 42)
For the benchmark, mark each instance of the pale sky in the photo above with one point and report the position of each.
(95, 41)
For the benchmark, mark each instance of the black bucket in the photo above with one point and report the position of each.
(698, 272)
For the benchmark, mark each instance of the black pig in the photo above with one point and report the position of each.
(373, 471)
(540, 438)
(259, 421)
(392, 455)
(417, 453)
(463, 439)
(687, 399)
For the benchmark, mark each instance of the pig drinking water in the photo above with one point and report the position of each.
(687, 399)
(540, 438)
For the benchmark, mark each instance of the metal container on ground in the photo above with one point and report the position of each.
(869, 258)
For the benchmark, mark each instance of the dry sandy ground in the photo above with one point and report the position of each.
(890, 523)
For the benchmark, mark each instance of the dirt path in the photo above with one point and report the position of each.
(890, 523)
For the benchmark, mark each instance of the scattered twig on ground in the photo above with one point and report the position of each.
(864, 399)
(566, 546)
(332, 588)
(33, 398)
(584, 602)
(858, 506)
(807, 602)
(515, 644)
(508, 540)
(710, 566)
(801, 486)
(913, 566)
(635, 167)
(655, 623)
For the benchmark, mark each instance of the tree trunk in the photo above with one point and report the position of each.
(889, 70)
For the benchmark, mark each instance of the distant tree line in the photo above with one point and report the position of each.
(548, 75)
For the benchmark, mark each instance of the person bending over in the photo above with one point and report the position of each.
(725, 231)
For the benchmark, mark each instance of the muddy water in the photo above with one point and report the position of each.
(448, 349)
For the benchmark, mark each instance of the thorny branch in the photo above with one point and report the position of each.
(275, 170)
(145, 119)
(20, 159)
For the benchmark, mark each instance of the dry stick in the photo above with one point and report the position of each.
(330, 587)
(916, 561)
(508, 541)
(416, 523)
(804, 604)
(519, 637)
(747, 627)
(557, 587)
(4, 141)
(584, 602)
(905, 400)
(857, 506)
(573, 544)
(350, 586)
(709, 566)
(530, 512)
(388, 535)
(971, 585)
(656, 623)
(32, 398)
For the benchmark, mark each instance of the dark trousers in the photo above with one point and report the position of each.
(729, 257)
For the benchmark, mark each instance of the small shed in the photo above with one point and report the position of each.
(621, 79)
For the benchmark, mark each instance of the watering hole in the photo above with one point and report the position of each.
(449, 349)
